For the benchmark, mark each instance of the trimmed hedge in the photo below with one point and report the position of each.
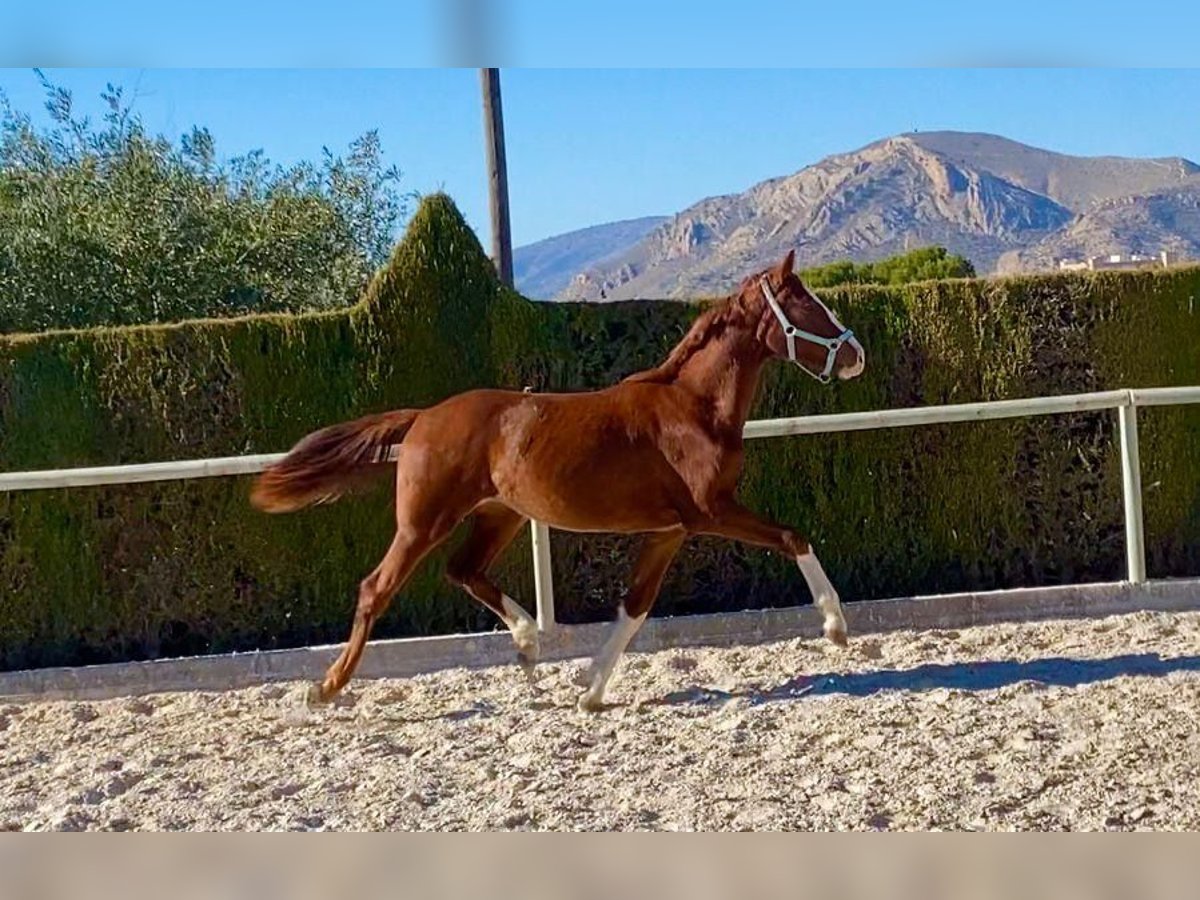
(932, 509)
(141, 571)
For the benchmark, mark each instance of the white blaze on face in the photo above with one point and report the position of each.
(857, 369)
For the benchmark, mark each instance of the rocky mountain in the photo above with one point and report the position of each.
(1144, 224)
(542, 269)
(1000, 203)
(1074, 181)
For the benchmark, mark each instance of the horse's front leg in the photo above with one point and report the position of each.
(658, 551)
(740, 524)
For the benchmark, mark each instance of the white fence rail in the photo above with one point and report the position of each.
(1126, 402)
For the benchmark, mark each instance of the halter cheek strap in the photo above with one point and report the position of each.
(791, 332)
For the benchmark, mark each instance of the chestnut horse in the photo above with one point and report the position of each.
(659, 453)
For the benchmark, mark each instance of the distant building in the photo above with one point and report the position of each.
(1119, 261)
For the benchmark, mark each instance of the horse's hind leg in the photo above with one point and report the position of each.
(493, 529)
(375, 592)
(651, 567)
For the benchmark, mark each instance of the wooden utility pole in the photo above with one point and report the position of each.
(493, 127)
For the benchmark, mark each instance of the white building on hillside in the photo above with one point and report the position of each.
(1119, 261)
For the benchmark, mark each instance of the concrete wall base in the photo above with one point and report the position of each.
(411, 656)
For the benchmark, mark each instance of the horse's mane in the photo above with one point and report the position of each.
(709, 325)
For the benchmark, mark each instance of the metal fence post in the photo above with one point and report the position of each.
(543, 576)
(1131, 482)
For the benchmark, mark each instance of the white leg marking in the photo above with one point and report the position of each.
(524, 631)
(606, 660)
(824, 596)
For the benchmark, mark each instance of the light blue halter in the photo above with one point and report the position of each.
(791, 332)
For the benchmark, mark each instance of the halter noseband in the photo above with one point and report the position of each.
(791, 332)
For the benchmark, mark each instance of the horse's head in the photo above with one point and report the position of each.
(795, 325)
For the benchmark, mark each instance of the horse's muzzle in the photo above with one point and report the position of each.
(850, 361)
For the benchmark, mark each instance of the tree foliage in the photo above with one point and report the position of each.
(925, 264)
(102, 223)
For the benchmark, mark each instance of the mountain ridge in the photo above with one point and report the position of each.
(545, 267)
(1004, 205)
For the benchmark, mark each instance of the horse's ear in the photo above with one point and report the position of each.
(789, 262)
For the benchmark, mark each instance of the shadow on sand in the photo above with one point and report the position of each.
(972, 676)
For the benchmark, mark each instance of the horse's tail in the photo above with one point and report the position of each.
(327, 463)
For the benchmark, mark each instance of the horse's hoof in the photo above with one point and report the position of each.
(315, 696)
(837, 634)
(529, 651)
(528, 664)
(589, 702)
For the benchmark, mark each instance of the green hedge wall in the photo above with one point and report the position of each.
(141, 571)
(959, 507)
(175, 568)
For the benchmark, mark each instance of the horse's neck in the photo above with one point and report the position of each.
(726, 372)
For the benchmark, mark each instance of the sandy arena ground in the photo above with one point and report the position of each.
(1052, 725)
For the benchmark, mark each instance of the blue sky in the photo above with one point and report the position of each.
(590, 146)
(599, 33)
